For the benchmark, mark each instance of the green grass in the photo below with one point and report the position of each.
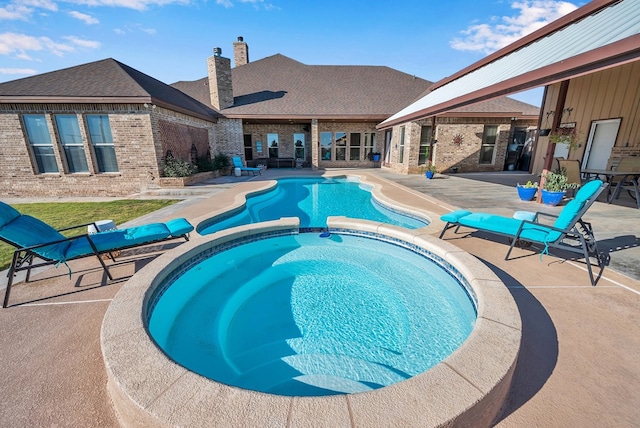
(65, 214)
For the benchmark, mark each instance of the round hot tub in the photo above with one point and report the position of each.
(310, 314)
(310, 344)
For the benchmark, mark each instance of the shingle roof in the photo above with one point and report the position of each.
(278, 87)
(105, 81)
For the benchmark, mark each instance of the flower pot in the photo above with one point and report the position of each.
(526, 193)
(376, 158)
(429, 174)
(551, 198)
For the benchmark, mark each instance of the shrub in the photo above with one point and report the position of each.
(172, 167)
(204, 164)
(221, 161)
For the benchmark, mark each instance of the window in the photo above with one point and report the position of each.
(425, 145)
(326, 141)
(354, 146)
(102, 141)
(71, 141)
(488, 144)
(273, 143)
(40, 142)
(369, 144)
(401, 154)
(341, 146)
(298, 144)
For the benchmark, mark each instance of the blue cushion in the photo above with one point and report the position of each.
(119, 238)
(454, 216)
(179, 226)
(587, 190)
(26, 231)
(508, 226)
(7, 214)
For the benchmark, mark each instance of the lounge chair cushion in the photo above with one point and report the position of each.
(506, 226)
(454, 216)
(27, 231)
(7, 214)
(179, 227)
(118, 238)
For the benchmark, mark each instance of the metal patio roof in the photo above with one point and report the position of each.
(601, 34)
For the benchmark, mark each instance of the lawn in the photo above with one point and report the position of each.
(65, 214)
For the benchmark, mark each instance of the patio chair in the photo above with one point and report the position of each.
(237, 163)
(569, 232)
(35, 239)
(629, 183)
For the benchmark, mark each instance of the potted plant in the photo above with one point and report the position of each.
(527, 191)
(565, 136)
(429, 171)
(554, 187)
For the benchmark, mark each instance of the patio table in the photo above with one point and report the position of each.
(609, 174)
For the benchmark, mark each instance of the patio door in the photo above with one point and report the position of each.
(602, 138)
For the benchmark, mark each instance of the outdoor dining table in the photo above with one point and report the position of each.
(609, 174)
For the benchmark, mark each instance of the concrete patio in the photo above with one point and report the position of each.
(578, 360)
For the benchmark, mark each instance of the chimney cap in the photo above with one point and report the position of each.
(240, 39)
(217, 51)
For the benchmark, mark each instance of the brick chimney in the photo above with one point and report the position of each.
(240, 52)
(220, 85)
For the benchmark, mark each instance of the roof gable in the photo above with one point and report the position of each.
(98, 82)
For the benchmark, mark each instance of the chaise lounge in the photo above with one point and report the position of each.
(237, 163)
(568, 232)
(34, 238)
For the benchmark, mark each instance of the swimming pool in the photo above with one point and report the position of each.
(312, 200)
(303, 315)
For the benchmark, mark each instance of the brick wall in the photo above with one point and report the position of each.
(448, 154)
(137, 143)
(348, 128)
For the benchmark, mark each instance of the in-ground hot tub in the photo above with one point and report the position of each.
(468, 385)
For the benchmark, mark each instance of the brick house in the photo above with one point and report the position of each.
(100, 128)
(104, 128)
(326, 116)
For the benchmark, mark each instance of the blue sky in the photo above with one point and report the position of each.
(171, 39)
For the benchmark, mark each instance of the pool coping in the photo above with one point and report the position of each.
(467, 388)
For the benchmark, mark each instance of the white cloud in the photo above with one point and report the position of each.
(25, 71)
(128, 4)
(23, 9)
(91, 44)
(87, 19)
(257, 4)
(12, 12)
(19, 44)
(532, 15)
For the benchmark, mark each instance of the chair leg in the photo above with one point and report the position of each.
(12, 271)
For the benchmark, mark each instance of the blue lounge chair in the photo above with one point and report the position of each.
(34, 238)
(237, 163)
(568, 231)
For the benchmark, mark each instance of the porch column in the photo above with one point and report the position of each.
(315, 145)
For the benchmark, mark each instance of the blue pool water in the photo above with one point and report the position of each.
(302, 315)
(313, 200)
